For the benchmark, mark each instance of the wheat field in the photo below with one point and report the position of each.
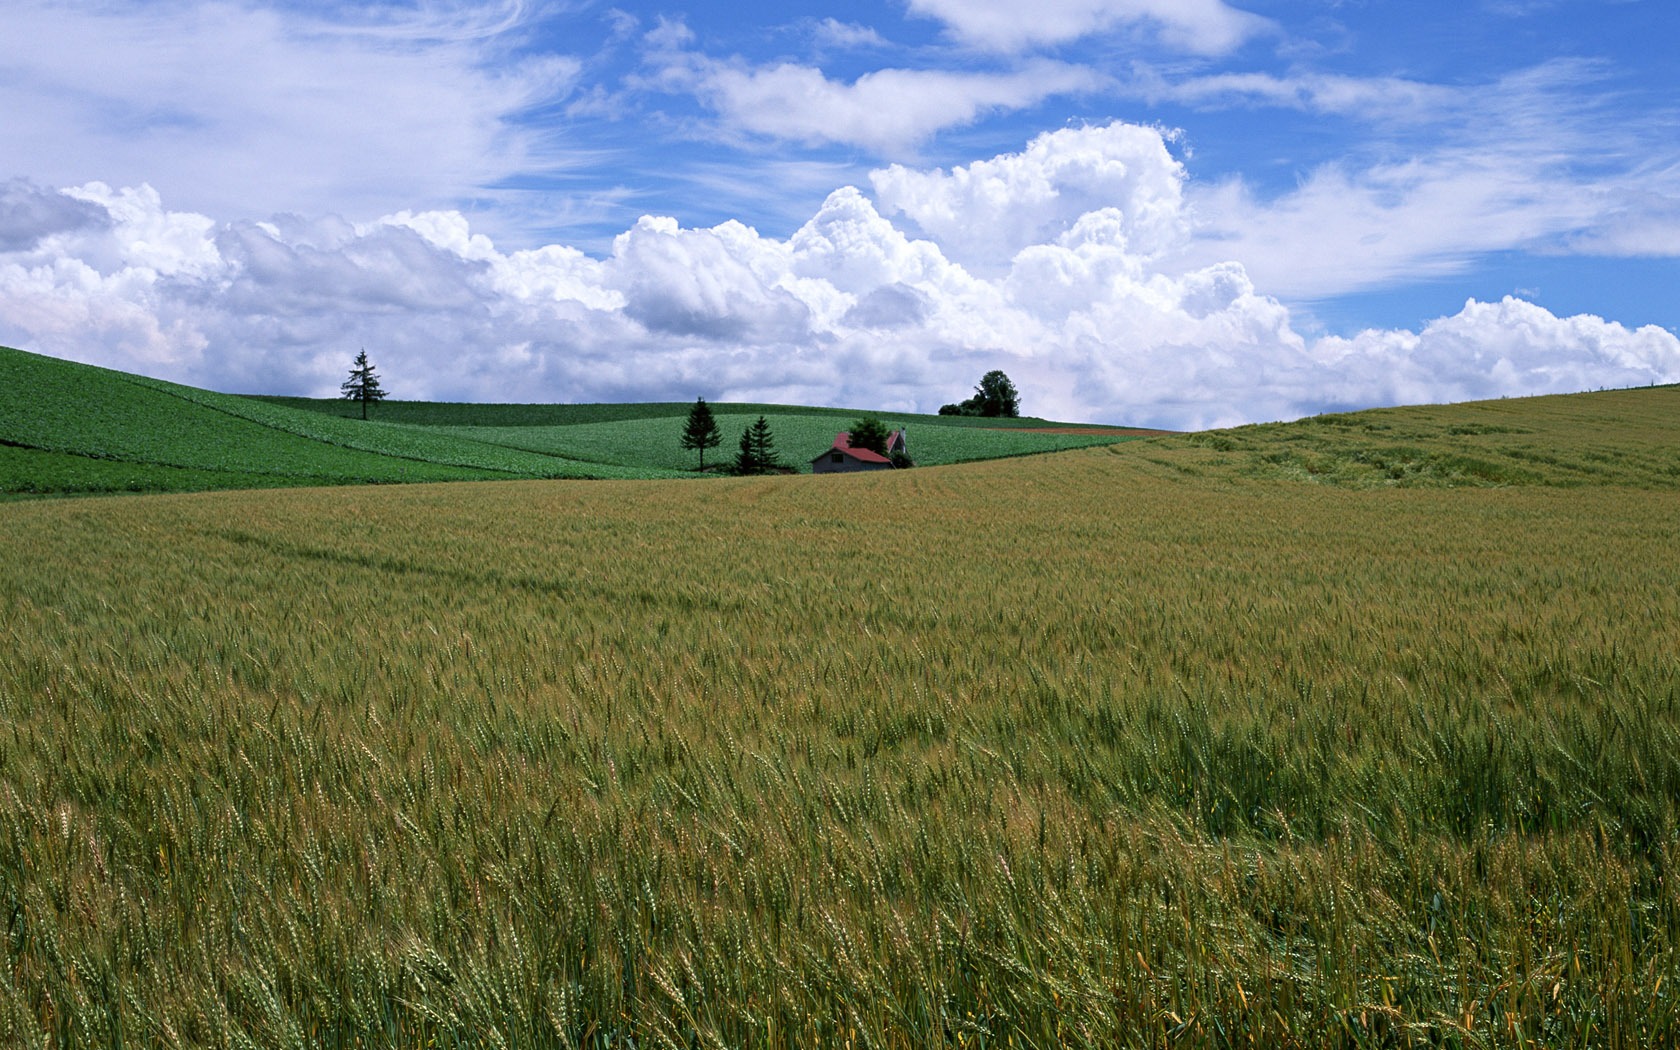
(1117, 747)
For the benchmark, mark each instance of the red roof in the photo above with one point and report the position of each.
(843, 442)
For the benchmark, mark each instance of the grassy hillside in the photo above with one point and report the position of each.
(70, 428)
(799, 438)
(1161, 744)
(1614, 437)
(77, 428)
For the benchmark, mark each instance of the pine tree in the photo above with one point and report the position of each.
(763, 446)
(746, 461)
(758, 450)
(363, 384)
(701, 431)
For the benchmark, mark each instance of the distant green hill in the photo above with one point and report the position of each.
(467, 414)
(71, 428)
(68, 428)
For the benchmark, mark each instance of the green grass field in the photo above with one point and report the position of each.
(73, 429)
(466, 414)
(1305, 735)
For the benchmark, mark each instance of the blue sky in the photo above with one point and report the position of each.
(1174, 212)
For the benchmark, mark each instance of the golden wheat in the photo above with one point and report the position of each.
(1075, 751)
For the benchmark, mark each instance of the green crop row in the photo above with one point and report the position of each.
(655, 442)
(421, 444)
(162, 429)
(28, 471)
(54, 406)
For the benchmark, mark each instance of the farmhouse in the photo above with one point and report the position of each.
(842, 457)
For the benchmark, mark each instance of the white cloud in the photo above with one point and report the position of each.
(240, 109)
(1367, 98)
(719, 285)
(1493, 349)
(850, 245)
(888, 111)
(1641, 220)
(1205, 27)
(1528, 162)
(831, 32)
(29, 213)
(150, 238)
(1076, 294)
(1344, 230)
(987, 211)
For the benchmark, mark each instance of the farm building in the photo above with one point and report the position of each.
(842, 457)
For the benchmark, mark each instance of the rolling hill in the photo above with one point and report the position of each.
(72, 428)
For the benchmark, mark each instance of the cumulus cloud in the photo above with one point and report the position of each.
(1075, 287)
(1204, 27)
(717, 284)
(1493, 349)
(29, 213)
(986, 212)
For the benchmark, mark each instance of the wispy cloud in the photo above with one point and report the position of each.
(1530, 161)
(889, 111)
(1205, 27)
(1367, 98)
(243, 108)
(833, 33)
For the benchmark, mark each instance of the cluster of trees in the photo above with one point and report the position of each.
(757, 454)
(995, 396)
(758, 450)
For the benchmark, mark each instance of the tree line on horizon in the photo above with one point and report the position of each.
(995, 396)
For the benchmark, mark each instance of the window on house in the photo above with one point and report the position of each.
(838, 457)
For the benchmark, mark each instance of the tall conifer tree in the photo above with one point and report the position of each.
(701, 431)
(363, 384)
(763, 445)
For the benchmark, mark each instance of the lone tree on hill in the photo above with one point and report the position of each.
(758, 450)
(701, 431)
(995, 396)
(363, 384)
(870, 433)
